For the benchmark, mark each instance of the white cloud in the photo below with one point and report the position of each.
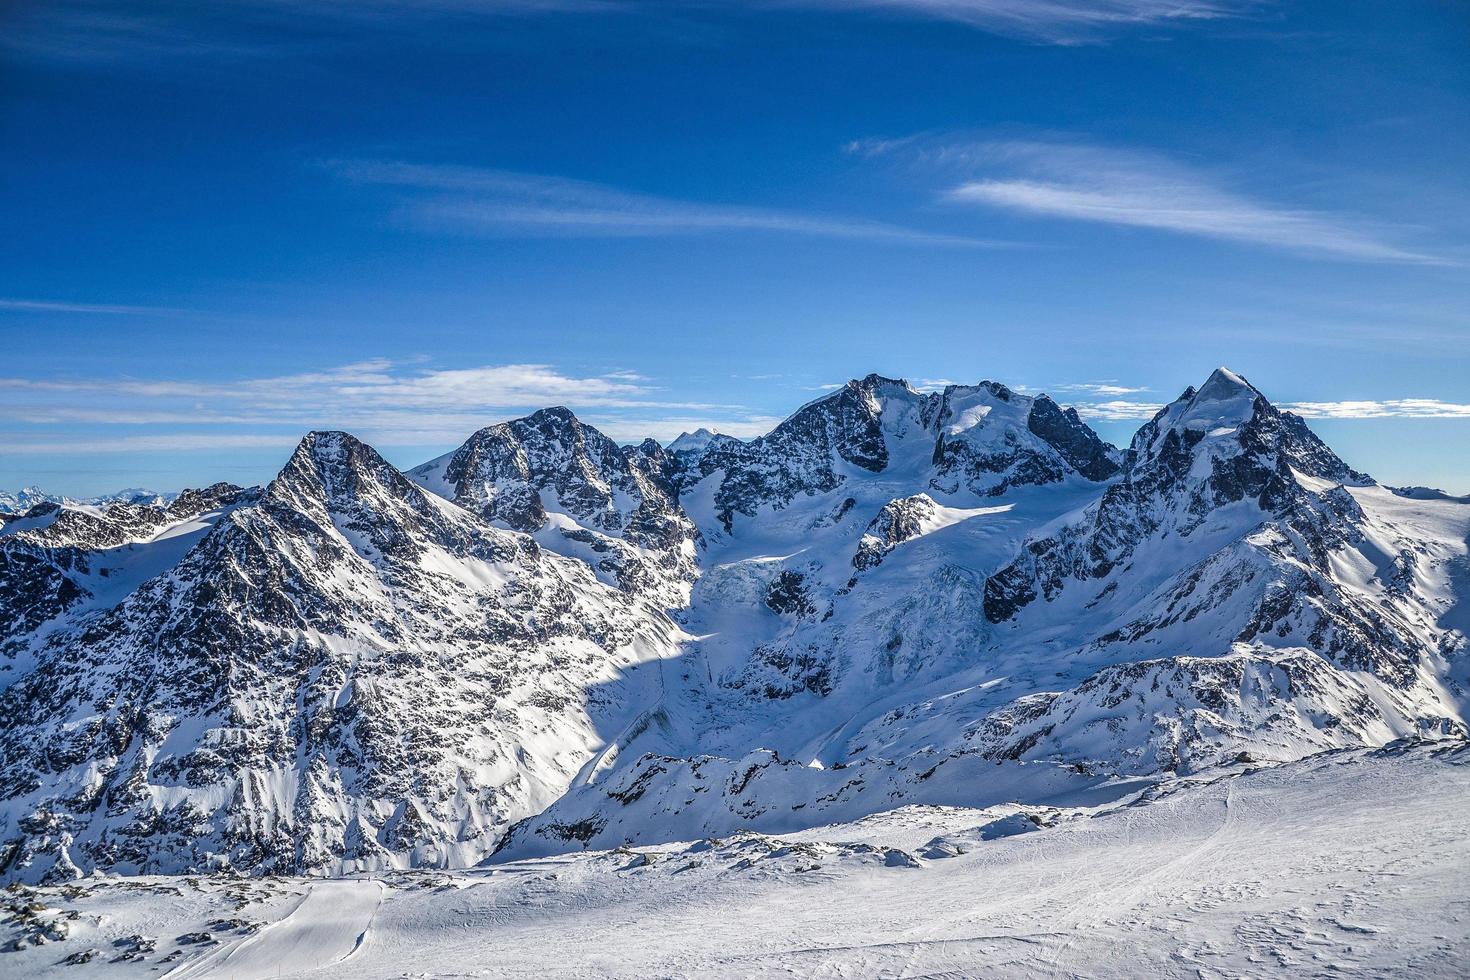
(387, 403)
(1085, 183)
(375, 385)
(470, 200)
(1403, 408)
(1058, 21)
(1101, 388)
(1118, 410)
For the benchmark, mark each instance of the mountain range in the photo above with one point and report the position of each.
(27, 497)
(544, 641)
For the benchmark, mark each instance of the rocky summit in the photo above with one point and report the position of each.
(545, 641)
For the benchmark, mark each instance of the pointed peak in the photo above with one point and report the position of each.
(648, 452)
(556, 422)
(325, 462)
(1224, 383)
(1225, 400)
(327, 444)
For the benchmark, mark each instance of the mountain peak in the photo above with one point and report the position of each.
(326, 448)
(557, 413)
(876, 380)
(1225, 401)
(1224, 383)
(325, 443)
(327, 464)
(690, 442)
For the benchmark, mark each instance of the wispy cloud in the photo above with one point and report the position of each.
(496, 202)
(1101, 388)
(1118, 410)
(61, 306)
(168, 442)
(377, 383)
(116, 30)
(1402, 408)
(1142, 190)
(1058, 21)
(386, 402)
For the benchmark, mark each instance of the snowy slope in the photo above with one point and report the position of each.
(1347, 864)
(63, 564)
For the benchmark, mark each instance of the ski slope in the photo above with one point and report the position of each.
(1349, 863)
(326, 928)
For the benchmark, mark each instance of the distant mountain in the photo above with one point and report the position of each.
(28, 497)
(546, 641)
(691, 445)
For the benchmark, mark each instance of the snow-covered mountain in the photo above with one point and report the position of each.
(27, 497)
(63, 563)
(349, 672)
(690, 445)
(579, 494)
(960, 597)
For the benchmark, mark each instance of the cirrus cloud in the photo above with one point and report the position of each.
(1138, 189)
(1066, 22)
(481, 201)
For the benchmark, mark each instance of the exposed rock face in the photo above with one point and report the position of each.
(991, 439)
(982, 439)
(1219, 446)
(57, 559)
(899, 521)
(611, 506)
(1064, 430)
(806, 454)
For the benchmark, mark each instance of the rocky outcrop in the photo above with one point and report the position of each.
(593, 499)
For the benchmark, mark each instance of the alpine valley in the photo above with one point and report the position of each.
(898, 630)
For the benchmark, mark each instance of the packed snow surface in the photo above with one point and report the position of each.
(1350, 863)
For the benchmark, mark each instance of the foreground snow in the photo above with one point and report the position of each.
(1348, 863)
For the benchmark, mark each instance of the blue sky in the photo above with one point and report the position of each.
(224, 228)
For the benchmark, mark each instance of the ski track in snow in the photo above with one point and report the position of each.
(327, 927)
